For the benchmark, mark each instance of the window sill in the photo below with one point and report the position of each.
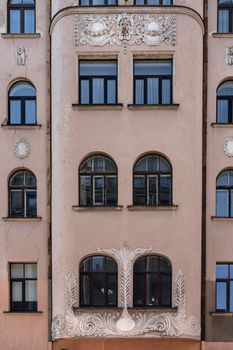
(78, 106)
(222, 35)
(221, 314)
(97, 208)
(221, 218)
(158, 310)
(96, 308)
(173, 106)
(152, 207)
(221, 125)
(20, 35)
(8, 218)
(21, 127)
(23, 312)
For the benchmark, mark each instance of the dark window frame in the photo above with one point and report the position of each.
(25, 304)
(228, 7)
(152, 173)
(225, 188)
(21, 7)
(23, 190)
(106, 78)
(90, 275)
(98, 174)
(228, 98)
(227, 281)
(160, 3)
(145, 284)
(160, 77)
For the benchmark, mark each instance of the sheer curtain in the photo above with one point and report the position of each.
(15, 112)
(98, 90)
(30, 112)
(29, 21)
(222, 115)
(139, 92)
(223, 21)
(152, 90)
(222, 203)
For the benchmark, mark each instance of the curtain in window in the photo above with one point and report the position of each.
(85, 97)
(221, 296)
(152, 90)
(30, 112)
(15, 112)
(29, 21)
(111, 91)
(166, 91)
(98, 90)
(15, 21)
(139, 91)
(31, 290)
(222, 203)
(17, 291)
(222, 114)
(223, 21)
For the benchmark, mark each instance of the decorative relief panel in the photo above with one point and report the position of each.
(126, 323)
(125, 29)
(21, 55)
(229, 55)
(228, 146)
(22, 149)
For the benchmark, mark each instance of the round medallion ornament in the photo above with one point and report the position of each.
(22, 149)
(228, 146)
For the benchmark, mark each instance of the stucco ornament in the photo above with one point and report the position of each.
(229, 55)
(21, 55)
(22, 149)
(126, 323)
(228, 146)
(124, 29)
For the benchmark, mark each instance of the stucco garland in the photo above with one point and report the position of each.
(127, 323)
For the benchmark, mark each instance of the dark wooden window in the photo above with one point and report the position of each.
(152, 181)
(153, 82)
(22, 104)
(22, 195)
(98, 2)
(154, 2)
(225, 103)
(224, 287)
(152, 282)
(98, 282)
(98, 82)
(98, 182)
(21, 16)
(224, 194)
(23, 288)
(225, 16)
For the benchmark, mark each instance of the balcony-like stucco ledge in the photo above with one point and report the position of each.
(152, 207)
(221, 314)
(221, 218)
(101, 107)
(20, 36)
(8, 218)
(222, 35)
(221, 125)
(21, 127)
(166, 107)
(97, 208)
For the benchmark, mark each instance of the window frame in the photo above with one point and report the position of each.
(229, 189)
(160, 79)
(105, 3)
(227, 281)
(90, 78)
(146, 3)
(228, 98)
(21, 7)
(228, 7)
(106, 283)
(23, 281)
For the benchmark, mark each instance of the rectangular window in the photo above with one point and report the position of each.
(154, 2)
(153, 81)
(224, 287)
(98, 2)
(23, 280)
(98, 82)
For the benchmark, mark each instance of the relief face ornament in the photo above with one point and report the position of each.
(228, 146)
(22, 149)
(75, 323)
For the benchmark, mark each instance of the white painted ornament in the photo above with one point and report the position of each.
(228, 146)
(22, 149)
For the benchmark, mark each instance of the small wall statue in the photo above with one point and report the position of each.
(21, 56)
(229, 55)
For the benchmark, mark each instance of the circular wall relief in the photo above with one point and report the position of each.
(22, 149)
(228, 146)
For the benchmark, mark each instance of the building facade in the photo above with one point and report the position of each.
(117, 181)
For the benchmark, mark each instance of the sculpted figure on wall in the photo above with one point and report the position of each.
(229, 55)
(21, 55)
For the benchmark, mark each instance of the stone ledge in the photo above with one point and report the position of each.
(97, 208)
(221, 314)
(20, 36)
(221, 125)
(222, 35)
(221, 218)
(152, 207)
(8, 218)
(173, 106)
(22, 312)
(21, 127)
(117, 106)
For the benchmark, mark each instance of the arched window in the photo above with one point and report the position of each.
(225, 16)
(98, 181)
(224, 194)
(22, 104)
(21, 16)
(22, 194)
(152, 181)
(225, 103)
(98, 281)
(152, 282)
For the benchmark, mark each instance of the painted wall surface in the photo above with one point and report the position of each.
(24, 241)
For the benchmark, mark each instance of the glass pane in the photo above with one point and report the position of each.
(110, 190)
(153, 67)
(231, 178)
(99, 163)
(30, 290)
(85, 190)
(111, 265)
(139, 2)
(153, 2)
(223, 21)
(221, 296)
(152, 190)
(17, 271)
(112, 290)
(110, 167)
(17, 180)
(152, 295)
(222, 271)
(222, 112)
(164, 165)
(140, 265)
(223, 179)
(231, 296)
(139, 190)
(166, 290)
(165, 265)
(85, 93)
(22, 89)
(29, 21)
(30, 112)
(141, 165)
(14, 21)
(30, 203)
(30, 180)
(152, 264)
(111, 91)
(166, 91)
(231, 208)
(17, 291)
(98, 68)
(98, 264)
(28, 1)
(86, 167)
(112, 2)
(139, 91)
(84, 3)
(85, 292)
(167, 2)
(16, 204)
(98, 2)
(226, 89)
(30, 271)
(152, 163)
(15, 112)
(231, 270)
(222, 203)
(86, 265)
(139, 290)
(152, 91)
(225, 2)
(98, 289)
(165, 190)
(98, 91)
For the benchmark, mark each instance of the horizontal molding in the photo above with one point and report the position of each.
(97, 208)
(221, 218)
(23, 312)
(7, 218)
(152, 207)
(97, 106)
(222, 35)
(221, 125)
(20, 36)
(221, 314)
(21, 127)
(173, 106)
